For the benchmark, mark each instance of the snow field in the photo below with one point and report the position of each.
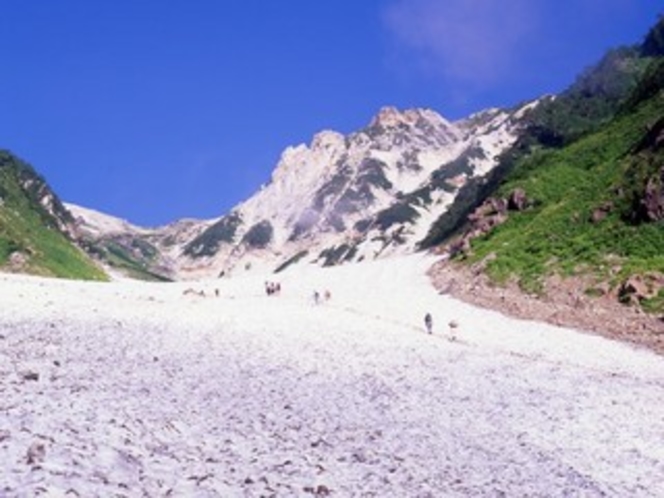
(134, 389)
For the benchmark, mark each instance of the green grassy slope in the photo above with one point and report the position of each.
(133, 257)
(30, 240)
(585, 201)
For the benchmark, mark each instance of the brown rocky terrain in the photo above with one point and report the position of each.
(563, 303)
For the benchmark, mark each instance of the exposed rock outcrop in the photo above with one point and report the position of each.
(638, 288)
(652, 202)
(564, 301)
(493, 212)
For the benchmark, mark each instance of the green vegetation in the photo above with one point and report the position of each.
(290, 261)
(469, 196)
(334, 186)
(335, 221)
(404, 212)
(649, 85)
(441, 179)
(410, 161)
(591, 101)
(259, 235)
(346, 194)
(606, 171)
(655, 304)
(616, 85)
(332, 256)
(31, 240)
(353, 198)
(396, 214)
(653, 45)
(134, 257)
(592, 165)
(371, 171)
(363, 226)
(209, 242)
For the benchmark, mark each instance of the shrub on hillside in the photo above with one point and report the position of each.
(259, 235)
(209, 242)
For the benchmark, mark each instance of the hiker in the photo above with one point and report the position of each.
(316, 297)
(428, 322)
(272, 288)
(453, 326)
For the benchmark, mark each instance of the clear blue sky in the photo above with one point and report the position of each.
(155, 110)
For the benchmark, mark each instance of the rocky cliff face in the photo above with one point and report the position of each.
(342, 198)
(351, 197)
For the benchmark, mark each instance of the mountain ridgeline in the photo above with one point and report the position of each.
(564, 185)
(342, 198)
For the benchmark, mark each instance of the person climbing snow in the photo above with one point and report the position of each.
(428, 322)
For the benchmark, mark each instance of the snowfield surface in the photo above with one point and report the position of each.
(135, 389)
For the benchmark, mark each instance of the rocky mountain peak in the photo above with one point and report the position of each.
(300, 163)
(387, 116)
(371, 193)
(327, 140)
(392, 127)
(391, 117)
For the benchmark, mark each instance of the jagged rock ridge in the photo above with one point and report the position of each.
(371, 193)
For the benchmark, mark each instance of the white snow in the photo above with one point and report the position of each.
(98, 223)
(137, 389)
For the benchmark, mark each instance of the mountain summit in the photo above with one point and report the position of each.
(341, 198)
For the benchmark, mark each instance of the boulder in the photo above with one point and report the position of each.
(518, 201)
(640, 287)
(601, 212)
(652, 202)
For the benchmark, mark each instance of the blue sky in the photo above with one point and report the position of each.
(155, 110)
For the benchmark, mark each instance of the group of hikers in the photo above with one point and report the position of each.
(193, 292)
(428, 325)
(318, 297)
(272, 288)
